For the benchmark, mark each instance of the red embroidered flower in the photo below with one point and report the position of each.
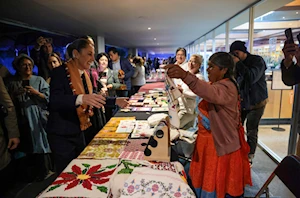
(155, 187)
(130, 188)
(177, 194)
(85, 177)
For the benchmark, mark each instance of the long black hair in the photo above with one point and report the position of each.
(225, 60)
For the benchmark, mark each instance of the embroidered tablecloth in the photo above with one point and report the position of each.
(146, 182)
(83, 178)
(103, 149)
(134, 149)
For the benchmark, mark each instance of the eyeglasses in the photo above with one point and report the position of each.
(26, 65)
(192, 62)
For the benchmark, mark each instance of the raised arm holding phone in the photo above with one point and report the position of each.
(290, 69)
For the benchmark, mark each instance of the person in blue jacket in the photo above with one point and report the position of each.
(121, 64)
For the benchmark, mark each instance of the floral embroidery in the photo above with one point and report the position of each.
(88, 177)
(127, 165)
(155, 188)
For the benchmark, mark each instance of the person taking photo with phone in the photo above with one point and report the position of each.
(291, 71)
(40, 53)
(30, 95)
(250, 75)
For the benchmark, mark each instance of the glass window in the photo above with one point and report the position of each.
(220, 38)
(271, 18)
(239, 28)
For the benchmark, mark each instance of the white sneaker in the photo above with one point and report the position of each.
(50, 173)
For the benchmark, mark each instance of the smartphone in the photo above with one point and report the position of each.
(25, 83)
(289, 36)
(298, 37)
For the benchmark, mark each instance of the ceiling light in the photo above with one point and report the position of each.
(297, 12)
(157, 43)
(149, 28)
(283, 17)
(155, 39)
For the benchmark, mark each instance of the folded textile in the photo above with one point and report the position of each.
(146, 182)
(83, 178)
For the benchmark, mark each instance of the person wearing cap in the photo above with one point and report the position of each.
(290, 71)
(250, 75)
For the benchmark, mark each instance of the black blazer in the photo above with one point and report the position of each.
(63, 119)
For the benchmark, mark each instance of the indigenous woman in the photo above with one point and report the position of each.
(220, 166)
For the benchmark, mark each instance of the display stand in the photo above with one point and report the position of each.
(159, 148)
(277, 84)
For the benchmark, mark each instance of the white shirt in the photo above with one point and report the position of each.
(79, 97)
(184, 66)
(187, 101)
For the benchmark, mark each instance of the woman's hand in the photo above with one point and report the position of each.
(180, 88)
(31, 91)
(94, 100)
(121, 77)
(110, 86)
(122, 102)
(175, 71)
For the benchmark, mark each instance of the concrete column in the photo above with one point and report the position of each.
(100, 44)
(213, 41)
(133, 51)
(251, 29)
(227, 37)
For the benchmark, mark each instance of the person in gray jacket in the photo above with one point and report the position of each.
(8, 115)
(109, 78)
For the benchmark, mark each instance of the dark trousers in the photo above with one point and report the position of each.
(135, 89)
(65, 149)
(253, 117)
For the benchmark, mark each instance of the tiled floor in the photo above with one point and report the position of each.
(277, 141)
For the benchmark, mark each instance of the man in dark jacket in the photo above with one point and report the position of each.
(123, 64)
(250, 74)
(291, 74)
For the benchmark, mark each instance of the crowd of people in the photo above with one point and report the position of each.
(51, 117)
